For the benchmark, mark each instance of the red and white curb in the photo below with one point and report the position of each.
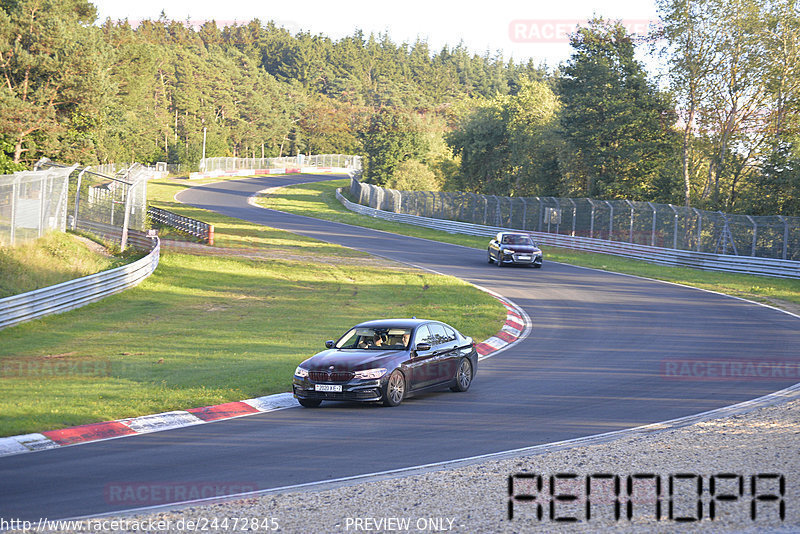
(515, 328)
(143, 425)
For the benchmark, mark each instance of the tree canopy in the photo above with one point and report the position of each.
(719, 130)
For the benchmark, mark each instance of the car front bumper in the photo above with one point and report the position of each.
(521, 259)
(355, 390)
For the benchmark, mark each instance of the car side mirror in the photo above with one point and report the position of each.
(422, 347)
(330, 343)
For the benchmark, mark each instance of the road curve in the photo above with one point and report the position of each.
(593, 363)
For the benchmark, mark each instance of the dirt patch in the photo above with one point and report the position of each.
(93, 246)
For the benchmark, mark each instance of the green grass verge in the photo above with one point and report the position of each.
(51, 259)
(210, 329)
(319, 200)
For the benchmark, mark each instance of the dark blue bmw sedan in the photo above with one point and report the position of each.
(387, 361)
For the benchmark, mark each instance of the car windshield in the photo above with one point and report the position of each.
(517, 240)
(385, 338)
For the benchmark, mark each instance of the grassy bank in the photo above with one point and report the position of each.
(319, 200)
(51, 259)
(206, 329)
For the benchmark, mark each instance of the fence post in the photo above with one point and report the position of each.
(14, 201)
(755, 234)
(591, 223)
(574, 215)
(42, 191)
(77, 198)
(653, 235)
(127, 215)
(524, 211)
(610, 220)
(630, 228)
(699, 227)
(675, 230)
(558, 210)
(785, 236)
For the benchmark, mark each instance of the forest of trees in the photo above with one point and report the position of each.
(717, 130)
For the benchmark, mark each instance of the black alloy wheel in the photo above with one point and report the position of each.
(395, 389)
(463, 376)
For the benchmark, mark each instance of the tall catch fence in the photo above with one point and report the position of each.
(641, 223)
(33, 203)
(344, 161)
(98, 200)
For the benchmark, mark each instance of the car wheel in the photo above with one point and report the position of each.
(537, 265)
(395, 389)
(499, 259)
(463, 376)
(489, 257)
(309, 403)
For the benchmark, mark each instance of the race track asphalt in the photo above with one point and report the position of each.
(595, 362)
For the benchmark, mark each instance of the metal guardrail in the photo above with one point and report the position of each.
(76, 293)
(642, 223)
(659, 255)
(199, 229)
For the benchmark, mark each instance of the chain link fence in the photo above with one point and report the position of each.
(32, 203)
(95, 198)
(299, 161)
(643, 223)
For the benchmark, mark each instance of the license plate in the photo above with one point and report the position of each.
(327, 387)
(524, 257)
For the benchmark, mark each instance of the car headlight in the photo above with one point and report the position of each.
(302, 373)
(508, 251)
(370, 374)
